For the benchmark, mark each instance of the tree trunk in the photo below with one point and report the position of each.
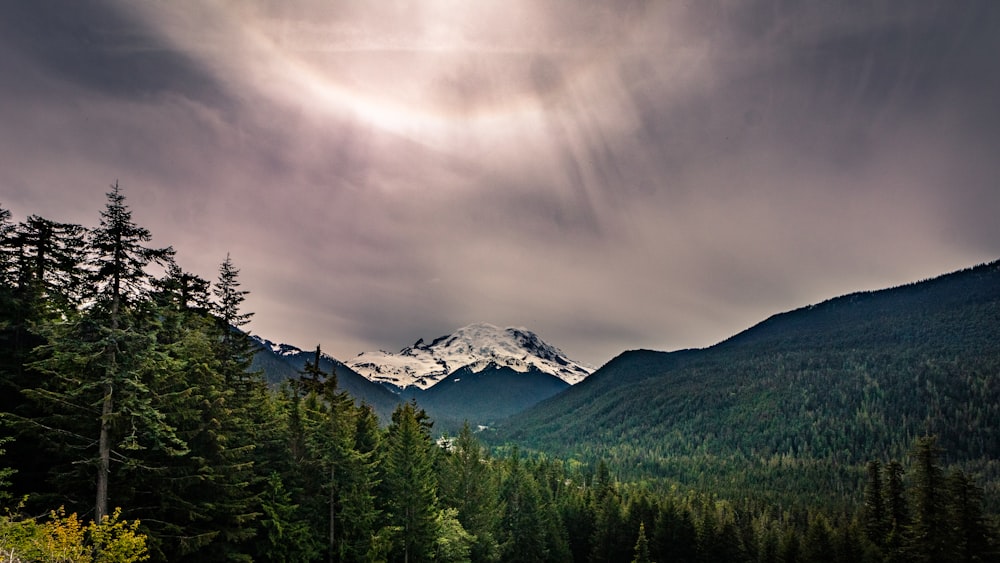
(104, 440)
(104, 456)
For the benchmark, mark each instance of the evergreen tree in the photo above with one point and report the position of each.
(453, 543)
(285, 536)
(467, 484)
(46, 275)
(120, 260)
(927, 536)
(229, 297)
(343, 476)
(874, 513)
(235, 347)
(205, 497)
(675, 537)
(577, 514)
(523, 530)
(970, 529)
(182, 291)
(898, 509)
(641, 547)
(818, 544)
(790, 548)
(50, 258)
(410, 483)
(611, 540)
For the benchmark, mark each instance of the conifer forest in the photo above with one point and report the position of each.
(133, 429)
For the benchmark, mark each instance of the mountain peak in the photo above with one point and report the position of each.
(476, 346)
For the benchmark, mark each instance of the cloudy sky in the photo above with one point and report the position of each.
(611, 175)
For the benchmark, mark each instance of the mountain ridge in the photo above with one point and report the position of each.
(820, 389)
(484, 374)
(476, 346)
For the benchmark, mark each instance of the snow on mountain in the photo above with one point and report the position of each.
(477, 347)
(277, 349)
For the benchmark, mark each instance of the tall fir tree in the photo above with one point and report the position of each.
(235, 347)
(970, 528)
(50, 262)
(928, 535)
(641, 547)
(467, 483)
(120, 261)
(897, 509)
(873, 511)
(523, 533)
(208, 493)
(411, 488)
(47, 275)
(107, 357)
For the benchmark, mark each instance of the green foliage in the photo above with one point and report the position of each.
(939, 518)
(792, 409)
(411, 486)
(641, 547)
(65, 538)
(467, 482)
(453, 543)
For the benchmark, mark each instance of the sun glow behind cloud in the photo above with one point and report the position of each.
(428, 77)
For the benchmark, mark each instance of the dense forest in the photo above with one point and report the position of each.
(794, 407)
(134, 429)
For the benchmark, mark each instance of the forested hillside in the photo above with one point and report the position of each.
(280, 369)
(484, 397)
(135, 429)
(792, 408)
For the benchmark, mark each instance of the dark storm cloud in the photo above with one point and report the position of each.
(98, 45)
(610, 175)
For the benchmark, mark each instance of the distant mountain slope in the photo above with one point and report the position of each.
(476, 347)
(795, 405)
(500, 378)
(486, 396)
(281, 362)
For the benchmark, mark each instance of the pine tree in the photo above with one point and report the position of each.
(610, 541)
(875, 518)
(523, 531)
(818, 544)
(285, 535)
(46, 273)
(969, 526)
(641, 547)
(576, 511)
(207, 498)
(107, 357)
(182, 292)
(50, 259)
(235, 348)
(120, 259)
(897, 508)
(453, 543)
(927, 536)
(229, 297)
(466, 482)
(675, 536)
(410, 483)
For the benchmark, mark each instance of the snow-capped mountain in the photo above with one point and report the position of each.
(476, 347)
(283, 350)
